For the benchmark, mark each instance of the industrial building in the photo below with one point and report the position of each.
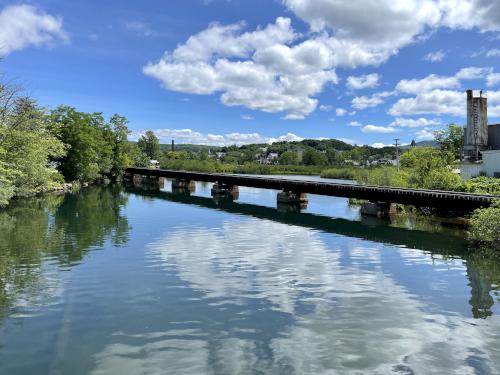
(481, 150)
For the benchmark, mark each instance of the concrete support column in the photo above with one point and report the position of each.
(292, 199)
(378, 209)
(223, 190)
(183, 186)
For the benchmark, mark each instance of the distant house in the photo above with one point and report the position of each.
(154, 163)
(383, 161)
(272, 157)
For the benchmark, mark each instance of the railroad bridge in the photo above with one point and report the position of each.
(294, 192)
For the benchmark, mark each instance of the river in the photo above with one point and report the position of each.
(127, 281)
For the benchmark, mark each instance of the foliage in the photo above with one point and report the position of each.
(149, 145)
(96, 148)
(485, 225)
(26, 147)
(451, 139)
(483, 185)
(313, 157)
(289, 158)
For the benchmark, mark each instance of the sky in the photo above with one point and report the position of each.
(224, 72)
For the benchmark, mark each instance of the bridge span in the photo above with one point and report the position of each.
(296, 190)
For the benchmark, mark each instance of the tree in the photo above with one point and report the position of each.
(123, 150)
(451, 139)
(90, 141)
(26, 146)
(313, 157)
(149, 145)
(289, 158)
(429, 168)
(485, 226)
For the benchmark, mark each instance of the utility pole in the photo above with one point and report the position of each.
(397, 151)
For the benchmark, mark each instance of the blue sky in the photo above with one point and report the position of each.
(240, 71)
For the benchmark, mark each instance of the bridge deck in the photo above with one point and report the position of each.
(456, 201)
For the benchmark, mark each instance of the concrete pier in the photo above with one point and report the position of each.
(144, 181)
(378, 209)
(223, 190)
(180, 186)
(290, 201)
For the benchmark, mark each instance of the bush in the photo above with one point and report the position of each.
(485, 225)
(483, 185)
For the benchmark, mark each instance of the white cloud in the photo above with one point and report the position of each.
(493, 79)
(340, 112)
(325, 108)
(193, 137)
(246, 117)
(349, 141)
(378, 129)
(380, 145)
(139, 28)
(424, 135)
(274, 69)
(415, 123)
(355, 123)
(433, 81)
(495, 52)
(268, 75)
(433, 102)
(363, 81)
(25, 25)
(435, 56)
(362, 102)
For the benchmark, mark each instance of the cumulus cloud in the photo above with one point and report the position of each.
(415, 123)
(380, 145)
(267, 75)
(362, 102)
(378, 129)
(435, 102)
(355, 123)
(424, 135)
(193, 137)
(435, 56)
(363, 81)
(276, 70)
(325, 108)
(493, 79)
(340, 112)
(246, 117)
(25, 25)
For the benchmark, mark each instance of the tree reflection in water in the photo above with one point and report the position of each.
(38, 232)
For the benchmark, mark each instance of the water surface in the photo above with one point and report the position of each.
(113, 281)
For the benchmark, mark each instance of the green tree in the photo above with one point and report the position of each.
(289, 158)
(451, 139)
(90, 141)
(429, 168)
(485, 226)
(149, 145)
(313, 157)
(26, 147)
(123, 151)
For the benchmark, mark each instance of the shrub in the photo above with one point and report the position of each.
(485, 225)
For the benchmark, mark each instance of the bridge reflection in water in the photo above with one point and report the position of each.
(481, 280)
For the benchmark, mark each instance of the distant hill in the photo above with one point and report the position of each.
(423, 144)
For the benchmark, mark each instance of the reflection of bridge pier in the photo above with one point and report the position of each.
(378, 209)
(291, 201)
(144, 181)
(220, 190)
(185, 187)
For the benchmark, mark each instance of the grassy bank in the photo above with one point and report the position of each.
(211, 166)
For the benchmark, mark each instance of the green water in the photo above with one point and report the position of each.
(114, 281)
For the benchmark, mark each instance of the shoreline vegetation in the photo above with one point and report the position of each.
(61, 149)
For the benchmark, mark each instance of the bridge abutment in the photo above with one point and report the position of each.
(378, 209)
